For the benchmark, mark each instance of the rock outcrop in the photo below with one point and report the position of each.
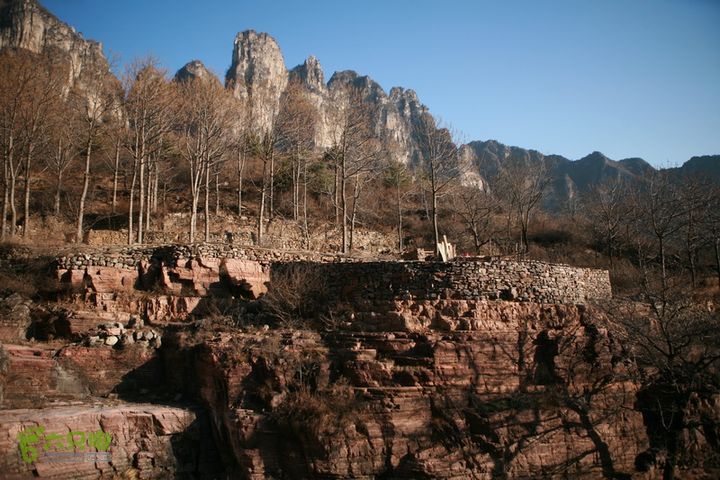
(25, 24)
(530, 391)
(106, 441)
(195, 69)
(259, 77)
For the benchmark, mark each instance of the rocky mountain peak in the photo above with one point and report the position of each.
(309, 73)
(26, 25)
(257, 75)
(407, 102)
(195, 69)
(595, 157)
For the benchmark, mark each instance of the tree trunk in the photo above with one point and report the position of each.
(271, 212)
(193, 217)
(336, 193)
(141, 201)
(240, 168)
(148, 194)
(13, 208)
(476, 238)
(217, 193)
(436, 231)
(131, 201)
(26, 202)
(83, 195)
(661, 239)
(156, 184)
(116, 169)
(207, 204)
(58, 193)
(6, 187)
(261, 213)
(353, 211)
(399, 217)
(305, 217)
(343, 205)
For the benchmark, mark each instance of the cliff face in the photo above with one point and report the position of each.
(259, 77)
(415, 370)
(530, 391)
(25, 24)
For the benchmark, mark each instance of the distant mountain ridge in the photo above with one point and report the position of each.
(571, 178)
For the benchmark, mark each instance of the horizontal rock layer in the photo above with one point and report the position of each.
(533, 391)
(146, 441)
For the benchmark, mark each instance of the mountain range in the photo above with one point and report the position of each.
(258, 75)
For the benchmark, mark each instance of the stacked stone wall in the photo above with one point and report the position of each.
(348, 278)
(132, 257)
(528, 281)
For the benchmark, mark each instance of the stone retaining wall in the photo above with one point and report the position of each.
(348, 278)
(132, 257)
(527, 281)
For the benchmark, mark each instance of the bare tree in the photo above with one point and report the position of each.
(295, 128)
(63, 153)
(355, 154)
(607, 206)
(694, 198)
(476, 207)
(205, 126)
(660, 213)
(31, 93)
(44, 97)
(711, 225)
(149, 103)
(440, 163)
(523, 186)
(92, 107)
(397, 177)
(676, 343)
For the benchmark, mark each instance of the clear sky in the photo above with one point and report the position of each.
(630, 78)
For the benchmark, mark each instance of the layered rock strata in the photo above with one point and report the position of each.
(528, 391)
(137, 441)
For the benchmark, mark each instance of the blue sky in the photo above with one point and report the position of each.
(630, 78)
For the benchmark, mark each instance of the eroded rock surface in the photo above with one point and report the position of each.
(145, 441)
(534, 391)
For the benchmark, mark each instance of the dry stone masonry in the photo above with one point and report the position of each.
(526, 281)
(343, 277)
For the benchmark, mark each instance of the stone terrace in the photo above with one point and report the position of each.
(523, 281)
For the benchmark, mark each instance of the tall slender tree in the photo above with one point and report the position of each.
(149, 106)
(440, 164)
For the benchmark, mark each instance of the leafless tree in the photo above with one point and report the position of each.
(355, 154)
(711, 224)
(206, 126)
(398, 178)
(607, 205)
(523, 186)
(661, 214)
(149, 105)
(32, 91)
(296, 131)
(63, 153)
(440, 163)
(694, 200)
(676, 343)
(476, 207)
(92, 110)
